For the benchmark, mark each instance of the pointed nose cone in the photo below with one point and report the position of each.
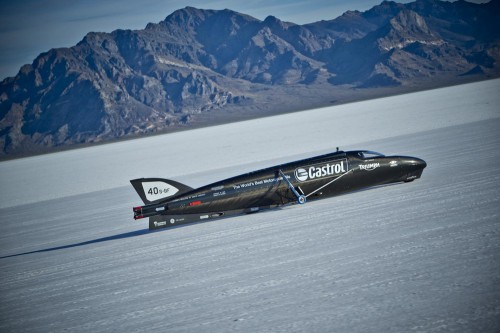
(413, 163)
(412, 168)
(420, 163)
(416, 164)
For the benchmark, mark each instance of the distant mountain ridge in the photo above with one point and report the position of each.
(129, 82)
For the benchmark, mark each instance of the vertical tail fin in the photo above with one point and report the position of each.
(154, 190)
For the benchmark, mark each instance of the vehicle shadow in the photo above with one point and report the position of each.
(93, 241)
(129, 234)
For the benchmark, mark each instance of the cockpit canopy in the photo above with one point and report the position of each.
(367, 154)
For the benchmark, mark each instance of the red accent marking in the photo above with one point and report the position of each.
(195, 203)
(138, 213)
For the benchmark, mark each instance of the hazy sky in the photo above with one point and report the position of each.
(30, 27)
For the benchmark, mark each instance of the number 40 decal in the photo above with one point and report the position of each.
(155, 190)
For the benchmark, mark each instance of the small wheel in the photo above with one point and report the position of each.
(301, 199)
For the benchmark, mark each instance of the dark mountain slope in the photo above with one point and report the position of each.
(203, 62)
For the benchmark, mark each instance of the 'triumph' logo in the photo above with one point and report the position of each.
(320, 171)
(369, 167)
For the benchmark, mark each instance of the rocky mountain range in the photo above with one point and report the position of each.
(219, 65)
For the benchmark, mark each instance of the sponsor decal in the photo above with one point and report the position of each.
(160, 224)
(191, 197)
(217, 188)
(159, 209)
(243, 185)
(301, 174)
(323, 170)
(204, 217)
(218, 194)
(173, 221)
(195, 203)
(393, 164)
(263, 182)
(369, 166)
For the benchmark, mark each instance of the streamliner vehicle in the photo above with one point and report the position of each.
(170, 203)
